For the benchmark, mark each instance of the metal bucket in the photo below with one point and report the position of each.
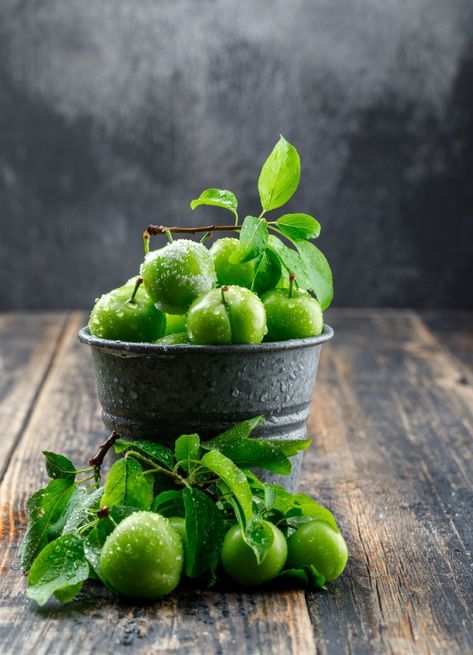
(159, 392)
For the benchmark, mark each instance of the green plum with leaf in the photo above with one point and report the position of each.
(259, 274)
(227, 265)
(227, 315)
(266, 251)
(174, 276)
(127, 314)
(160, 513)
(292, 314)
(240, 562)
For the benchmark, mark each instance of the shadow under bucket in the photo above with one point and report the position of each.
(159, 392)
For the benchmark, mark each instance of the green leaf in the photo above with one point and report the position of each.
(126, 485)
(277, 498)
(155, 451)
(235, 444)
(309, 507)
(269, 454)
(59, 466)
(205, 532)
(59, 570)
(308, 575)
(257, 452)
(290, 447)
(299, 226)
(78, 510)
(267, 272)
(217, 198)
(291, 261)
(255, 483)
(169, 503)
(318, 270)
(253, 239)
(279, 177)
(233, 477)
(92, 551)
(45, 510)
(187, 447)
(234, 434)
(259, 536)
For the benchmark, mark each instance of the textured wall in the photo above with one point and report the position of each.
(115, 113)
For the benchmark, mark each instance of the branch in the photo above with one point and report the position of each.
(96, 461)
(162, 229)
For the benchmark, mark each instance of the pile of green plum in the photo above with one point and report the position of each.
(165, 515)
(271, 283)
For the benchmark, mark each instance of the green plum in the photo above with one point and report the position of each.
(239, 560)
(228, 271)
(259, 276)
(142, 557)
(227, 315)
(176, 274)
(317, 543)
(127, 314)
(173, 339)
(292, 314)
(175, 323)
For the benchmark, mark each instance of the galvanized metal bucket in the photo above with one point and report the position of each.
(159, 392)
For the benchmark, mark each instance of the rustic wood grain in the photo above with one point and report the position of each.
(66, 418)
(393, 458)
(28, 343)
(454, 330)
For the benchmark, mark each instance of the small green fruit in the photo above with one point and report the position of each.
(176, 274)
(175, 323)
(318, 544)
(227, 315)
(252, 275)
(292, 317)
(116, 317)
(142, 557)
(228, 271)
(240, 563)
(173, 339)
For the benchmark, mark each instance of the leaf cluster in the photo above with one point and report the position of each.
(284, 243)
(208, 483)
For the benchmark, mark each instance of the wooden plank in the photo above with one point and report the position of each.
(455, 331)
(393, 459)
(66, 418)
(28, 343)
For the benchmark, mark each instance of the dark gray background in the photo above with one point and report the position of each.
(116, 113)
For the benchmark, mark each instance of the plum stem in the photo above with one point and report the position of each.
(292, 277)
(138, 283)
(223, 290)
(168, 234)
(146, 236)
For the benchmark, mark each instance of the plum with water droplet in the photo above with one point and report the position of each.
(143, 557)
(124, 315)
(240, 563)
(175, 275)
(227, 315)
(292, 314)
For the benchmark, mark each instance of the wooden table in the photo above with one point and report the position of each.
(392, 457)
